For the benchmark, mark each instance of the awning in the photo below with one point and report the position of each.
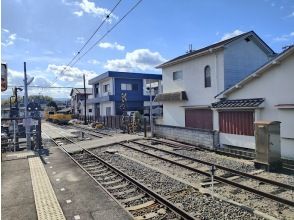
(238, 103)
(171, 97)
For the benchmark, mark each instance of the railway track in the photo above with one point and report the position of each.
(92, 130)
(171, 199)
(225, 177)
(179, 197)
(140, 201)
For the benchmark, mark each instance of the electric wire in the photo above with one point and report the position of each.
(86, 43)
(111, 29)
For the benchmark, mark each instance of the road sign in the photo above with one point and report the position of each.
(3, 77)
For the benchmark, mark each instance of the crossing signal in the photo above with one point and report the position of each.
(3, 77)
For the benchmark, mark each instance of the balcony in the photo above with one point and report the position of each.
(100, 99)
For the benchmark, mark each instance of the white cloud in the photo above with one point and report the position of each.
(140, 59)
(71, 74)
(78, 13)
(5, 30)
(115, 45)
(94, 62)
(284, 37)
(80, 40)
(90, 8)
(232, 34)
(11, 38)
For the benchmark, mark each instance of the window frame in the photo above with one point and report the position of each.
(178, 75)
(207, 78)
(106, 86)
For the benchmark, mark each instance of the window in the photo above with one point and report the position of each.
(128, 87)
(177, 75)
(106, 88)
(90, 110)
(108, 111)
(123, 86)
(207, 77)
(97, 89)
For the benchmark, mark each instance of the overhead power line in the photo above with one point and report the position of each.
(45, 87)
(86, 43)
(111, 29)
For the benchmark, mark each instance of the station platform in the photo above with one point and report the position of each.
(52, 187)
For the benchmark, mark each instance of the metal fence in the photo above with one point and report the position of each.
(114, 122)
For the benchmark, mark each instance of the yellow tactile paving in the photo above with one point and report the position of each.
(21, 155)
(46, 202)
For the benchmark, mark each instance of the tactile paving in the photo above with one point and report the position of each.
(46, 202)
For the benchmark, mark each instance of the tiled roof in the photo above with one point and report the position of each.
(238, 103)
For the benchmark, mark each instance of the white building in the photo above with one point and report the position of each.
(77, 101)
(266, 94)
(191, 81)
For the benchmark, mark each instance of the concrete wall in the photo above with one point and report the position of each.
(188, 135)
(104, 105)
(277, 87)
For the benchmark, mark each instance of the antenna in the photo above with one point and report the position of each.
(190, 49)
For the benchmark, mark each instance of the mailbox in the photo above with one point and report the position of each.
(267, 145)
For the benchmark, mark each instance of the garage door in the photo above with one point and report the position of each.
(237, 122)
(198, 118)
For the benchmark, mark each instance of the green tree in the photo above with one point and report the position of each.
(52, 104)
(42, 99)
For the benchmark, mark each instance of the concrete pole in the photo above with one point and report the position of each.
(150, 113)
(28, 132)
(85, 102)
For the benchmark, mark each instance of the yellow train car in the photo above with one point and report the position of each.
(60, 117)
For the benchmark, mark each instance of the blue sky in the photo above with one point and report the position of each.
(46, 34)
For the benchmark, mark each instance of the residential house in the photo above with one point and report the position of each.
(266, 94)
(191, 81)
(77, 102)
(109, 86)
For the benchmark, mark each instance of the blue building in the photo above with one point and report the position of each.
(108, 87)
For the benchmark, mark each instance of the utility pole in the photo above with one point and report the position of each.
(28, 132)
(85, 103)
(150, 105)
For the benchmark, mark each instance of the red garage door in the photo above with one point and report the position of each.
(198, 118)
(237, 122)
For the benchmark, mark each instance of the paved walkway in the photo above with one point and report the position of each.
(78, 195)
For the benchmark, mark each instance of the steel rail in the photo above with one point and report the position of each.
(93, 130)
(153, 194)
(221, 179)
(77, 163)
(272, 182)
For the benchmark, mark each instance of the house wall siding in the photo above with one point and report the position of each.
(193, 84)
(240, 59)
(193, 78)
(276, 86)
